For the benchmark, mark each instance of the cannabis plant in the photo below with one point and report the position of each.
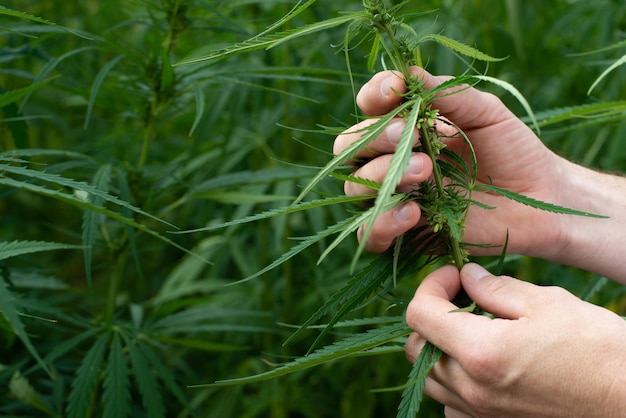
(125, 125)
(393, 43)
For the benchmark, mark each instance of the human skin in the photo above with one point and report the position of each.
(510, 156)
(548, 353)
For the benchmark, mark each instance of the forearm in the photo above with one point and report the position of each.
(597, 245)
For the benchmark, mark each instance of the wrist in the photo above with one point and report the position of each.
(592, 243)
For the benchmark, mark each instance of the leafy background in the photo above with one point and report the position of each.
(106, 312)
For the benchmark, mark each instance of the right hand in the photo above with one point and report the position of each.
(509, 155)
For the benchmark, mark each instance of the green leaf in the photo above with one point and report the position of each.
(165, 373)
(14, 13)
(413, 393)
(302, 206)
(64, 346)
(51, 65)
(267, 41)
(397, 167)
(87, 378)
(95, 87)
(606, 72)
(200, 103)
(83, 202)
(582, 112)
(369, 134)
(347, 347)
(14, 95)
(21, 389)
(116, 394)
(83, 192)
(365, 218)
(304, 244)
(460, 47)
(529, 201)
(357, 290)
(146, 379)
(91, 219)
(16, 248)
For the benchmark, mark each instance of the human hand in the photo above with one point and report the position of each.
(547, 353)
(509, 155)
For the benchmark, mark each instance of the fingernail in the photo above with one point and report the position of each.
(403, 213)
(416, 164)
(394, 131)
(475, 271)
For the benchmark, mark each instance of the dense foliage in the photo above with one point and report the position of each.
(108, 148)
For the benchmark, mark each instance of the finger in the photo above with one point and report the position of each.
(385, 143)
(443, 395)
(504, 297)
(439, 383)
(382, 93)
(412, 347)
(389, 225)
(429, 314)
(450, 412)
(419, 169)
(469, 108)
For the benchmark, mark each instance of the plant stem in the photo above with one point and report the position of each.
(428, 138)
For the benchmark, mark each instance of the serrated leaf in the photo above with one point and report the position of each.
(352, 294)
(87, 378)
(240, 197)
(369, 134)
(586, 111)
(146, 381)
(271, 40)
(164, 373)
(302, 206)
(413, 393)
(367, 217)
(65, 346)
(85, 191)
(16, 248)
(85, 204)
(116, 394)
(529, 201)
(345, 348)
(14, 13)
(304, 244)
(460, 47)
(397, 167)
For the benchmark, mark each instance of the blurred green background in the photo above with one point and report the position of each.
(202, 144)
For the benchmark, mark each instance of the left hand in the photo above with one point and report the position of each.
(547, 353)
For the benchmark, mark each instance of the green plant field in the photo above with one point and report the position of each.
(110, 147)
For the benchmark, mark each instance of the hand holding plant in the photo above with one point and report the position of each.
(508, 154)
(546, 354)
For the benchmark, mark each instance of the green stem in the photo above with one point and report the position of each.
(428, 138)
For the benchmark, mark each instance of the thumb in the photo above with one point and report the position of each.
(502, 296)
(469, 108)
